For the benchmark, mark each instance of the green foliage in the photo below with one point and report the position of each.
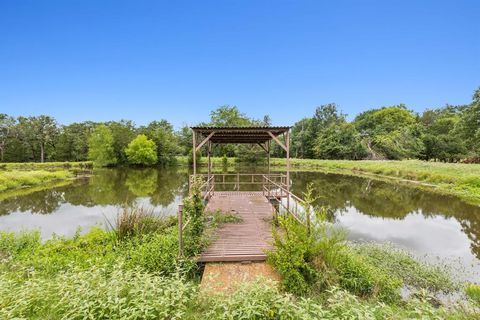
(96, 294)
(473, 292)
(72, 141)
(14, 179)
(193, 208)
(339, 141)
(403, 265)
(304, 251)
(100, 146)
(135, 221)
(142, 151)
(161, 132)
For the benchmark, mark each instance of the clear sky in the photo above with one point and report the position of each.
(144, 60)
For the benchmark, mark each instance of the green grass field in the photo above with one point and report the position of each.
(15, 176)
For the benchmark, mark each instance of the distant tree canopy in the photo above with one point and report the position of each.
(449, 133)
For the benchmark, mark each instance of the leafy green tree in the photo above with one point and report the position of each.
(469, 126)
(38, 133)
(391, 132)
(142, 151)
(100, 147)
(123, 132)
(7, 125)
(340, 141)
(72, 142)
(161, 132)
(229, 116)
(441, 139)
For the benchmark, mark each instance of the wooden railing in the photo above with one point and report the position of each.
(274, 187)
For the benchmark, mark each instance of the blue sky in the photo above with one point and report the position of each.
(178, 60)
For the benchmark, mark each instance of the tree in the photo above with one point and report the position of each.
(390, 131)
(7, 124)
(161, 132)
(72, 142)
(229, 116)
(141, 151)
(123, 132)
(100, 147)
(340, 141)
(38, 133)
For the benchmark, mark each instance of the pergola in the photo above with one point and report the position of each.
(261, 136)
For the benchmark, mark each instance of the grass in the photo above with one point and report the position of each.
(457, 179)
(15, 176)
(100, 275)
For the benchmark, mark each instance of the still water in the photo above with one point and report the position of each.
(429, 225)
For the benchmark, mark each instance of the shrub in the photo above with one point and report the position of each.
(193, 208)
(142, 151)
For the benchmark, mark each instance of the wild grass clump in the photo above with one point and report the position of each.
(473, 292)
(403, 265)
(133, 221)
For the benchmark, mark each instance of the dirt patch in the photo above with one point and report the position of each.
(225, 277)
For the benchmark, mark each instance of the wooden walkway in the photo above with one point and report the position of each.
(246, 240)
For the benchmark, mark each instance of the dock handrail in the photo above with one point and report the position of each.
(273, 186)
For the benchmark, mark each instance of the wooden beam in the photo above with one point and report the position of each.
(204, 141)
(263, 147)
(277, 141)
(194, 150)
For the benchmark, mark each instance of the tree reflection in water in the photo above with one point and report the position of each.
(162, 187)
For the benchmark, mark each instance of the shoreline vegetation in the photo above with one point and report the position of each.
(454, 179)
(21, 178)
(133, 271)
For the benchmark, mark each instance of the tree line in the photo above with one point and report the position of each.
(450, 133)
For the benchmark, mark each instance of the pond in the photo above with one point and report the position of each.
(430, 225)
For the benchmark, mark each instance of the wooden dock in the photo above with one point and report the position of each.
(247, 240)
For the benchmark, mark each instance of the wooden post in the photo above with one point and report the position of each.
(209, 165)
(287, 144)
(180, 230)
(194, 147)
(268, 156)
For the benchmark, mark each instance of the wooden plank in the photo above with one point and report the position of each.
(247, 240)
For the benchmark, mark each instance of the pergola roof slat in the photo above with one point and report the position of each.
(240, 134)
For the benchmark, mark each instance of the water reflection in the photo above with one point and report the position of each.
(372, 210)
(428, 223)
(89, 201)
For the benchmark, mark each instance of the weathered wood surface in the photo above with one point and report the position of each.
(242, 241)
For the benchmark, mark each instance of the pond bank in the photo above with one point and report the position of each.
(20, 176)
(456, 179)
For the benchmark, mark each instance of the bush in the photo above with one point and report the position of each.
(142, 151)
